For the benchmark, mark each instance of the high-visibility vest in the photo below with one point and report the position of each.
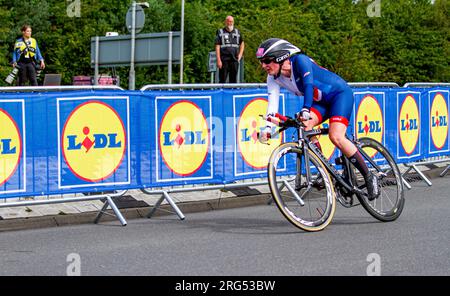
(21, 48)
(227, 41)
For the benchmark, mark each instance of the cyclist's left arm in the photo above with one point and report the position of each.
(303, 69)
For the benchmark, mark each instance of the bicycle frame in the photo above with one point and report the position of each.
(306, 144)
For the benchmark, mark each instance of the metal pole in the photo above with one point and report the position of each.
(56, 88)
(97, 49)
(422, 176)
(116, 211)
(131, 80)
(444, 172)
(169, 71)
(173, 205)
(181, 42)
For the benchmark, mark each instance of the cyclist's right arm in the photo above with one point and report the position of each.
(273, 91)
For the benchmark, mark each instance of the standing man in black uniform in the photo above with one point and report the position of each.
(229, 51)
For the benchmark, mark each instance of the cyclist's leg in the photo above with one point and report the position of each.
(340, 112)
(319, 114)
(340, 109)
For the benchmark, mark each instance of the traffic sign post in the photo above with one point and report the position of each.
(212, 64)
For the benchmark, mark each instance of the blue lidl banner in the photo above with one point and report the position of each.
(250, 156)
(183, 139)
(87, 141)
(438, 118)
(369, 117)
(93, 141)
(12, 147)
(409, 125)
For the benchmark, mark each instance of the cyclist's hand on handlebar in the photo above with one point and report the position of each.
(272, 118)
(265, 135)
(275, 119)
(304, 115)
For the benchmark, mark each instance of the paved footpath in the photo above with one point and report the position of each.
(253, 240)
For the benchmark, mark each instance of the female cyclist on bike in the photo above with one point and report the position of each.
(326, 95)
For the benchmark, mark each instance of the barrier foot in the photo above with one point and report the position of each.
(109, 202)
(444, 172)
(406, 184)
(422, 176)
(155, 207)
(270, 199)
(166, 196)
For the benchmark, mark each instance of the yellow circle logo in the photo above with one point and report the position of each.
(409, 124)
(10, 146)
(439, 121)
(94, 141)
(328, 147)
(184, 138)
(369, 121)
(254, 153)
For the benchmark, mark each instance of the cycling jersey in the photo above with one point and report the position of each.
(325, 93)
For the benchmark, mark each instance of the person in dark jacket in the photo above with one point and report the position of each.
(229, 51)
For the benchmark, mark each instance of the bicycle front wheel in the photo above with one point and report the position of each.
(305, 196)
(389, 205)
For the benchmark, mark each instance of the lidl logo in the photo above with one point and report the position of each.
(250, 123)
(10, 146)
(439, 121)
(327, 146)
(184, 138)
(369, 121)
(94, 141)
(409, 124)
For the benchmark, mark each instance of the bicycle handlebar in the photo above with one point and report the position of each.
(284, 121)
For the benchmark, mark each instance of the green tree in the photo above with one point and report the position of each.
(408, 42)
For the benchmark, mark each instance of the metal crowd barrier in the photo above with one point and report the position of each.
(434, 160)
(247, 85)
(415, 166)
(425, 84)
(108, 199)
(58, 88)
(165, 192)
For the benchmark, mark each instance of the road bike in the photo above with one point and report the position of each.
(305, 185)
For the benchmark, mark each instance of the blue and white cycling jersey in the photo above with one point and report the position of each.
(325, 93)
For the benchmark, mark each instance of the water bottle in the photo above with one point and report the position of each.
(12, 76)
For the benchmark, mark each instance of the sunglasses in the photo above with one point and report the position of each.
(266, 61)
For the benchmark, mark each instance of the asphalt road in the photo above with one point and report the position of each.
(244, 241)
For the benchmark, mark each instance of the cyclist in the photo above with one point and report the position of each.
(326, 95)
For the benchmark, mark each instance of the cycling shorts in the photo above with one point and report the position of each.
(338, 108)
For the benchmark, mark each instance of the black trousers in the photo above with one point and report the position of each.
(27, 72)
(230, 69)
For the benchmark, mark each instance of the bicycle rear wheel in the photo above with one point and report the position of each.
(389, 205)
(302, 198)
